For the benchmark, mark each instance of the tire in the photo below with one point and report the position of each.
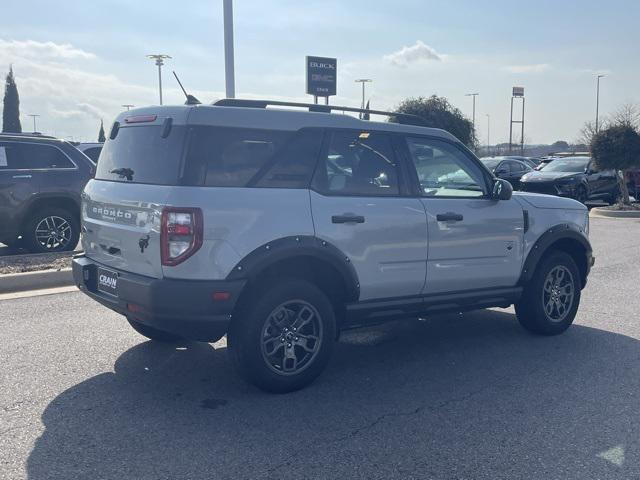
(51, 229)
(282, 314)
(581, 194)
(153, 333)
(533, 308)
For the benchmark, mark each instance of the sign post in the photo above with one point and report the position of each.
(321, 75)
(517, 92)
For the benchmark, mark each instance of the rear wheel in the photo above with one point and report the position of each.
(153, 333)
(51, 230)
(551, 299)
(283, 340)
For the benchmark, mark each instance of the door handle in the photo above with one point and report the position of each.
(347, 218)
(449, 217)
(21, 176)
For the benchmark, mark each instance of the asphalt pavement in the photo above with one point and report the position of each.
(468, 396)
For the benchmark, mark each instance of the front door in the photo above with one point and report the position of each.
(474, 242)
(359, 205)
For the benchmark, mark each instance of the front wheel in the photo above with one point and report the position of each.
(550, 300)
(51, 230)
(283, 341)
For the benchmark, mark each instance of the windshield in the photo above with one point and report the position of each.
(571, 165)
(490, 163)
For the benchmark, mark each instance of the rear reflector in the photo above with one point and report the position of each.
(132, 307)
(140, 119)
(220, 296)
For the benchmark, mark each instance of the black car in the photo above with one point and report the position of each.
(507, 168)
(573, 177)
(41, 179)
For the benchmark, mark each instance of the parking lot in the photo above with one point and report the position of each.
(454, 397)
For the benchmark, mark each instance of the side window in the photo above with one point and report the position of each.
(230, 157)
(514, 167)
(358, 163)
(34, 156)
(444, 170)
(93, 153)
(10, 157)
(293, 165)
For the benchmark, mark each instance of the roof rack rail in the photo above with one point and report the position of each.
(402, 118)
(26, 134)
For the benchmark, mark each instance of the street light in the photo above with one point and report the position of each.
(159, 58)
(34, 116)
(474, 95)
(229, 69)
(127, 106)
(488, 134)
(363, 81)
(598, 99)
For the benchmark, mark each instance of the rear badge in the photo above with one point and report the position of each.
(143, 243)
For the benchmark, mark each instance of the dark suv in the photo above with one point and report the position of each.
(41, 179)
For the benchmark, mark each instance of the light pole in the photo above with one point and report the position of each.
(229, 69)
(127, 106)
(488, 134)
(363, 81)
(474, 95)
(34, 116)
(598, 99)
(159, 58)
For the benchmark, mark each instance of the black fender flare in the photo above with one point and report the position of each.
(546, 240)
(256, 262)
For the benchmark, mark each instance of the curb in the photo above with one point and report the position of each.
(604, 213)
(19, 282)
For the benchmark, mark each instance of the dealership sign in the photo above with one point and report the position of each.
(518, 91)
(321, 76)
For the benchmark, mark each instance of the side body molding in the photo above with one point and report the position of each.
(287, 248)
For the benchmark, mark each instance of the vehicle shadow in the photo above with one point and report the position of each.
(458, 396)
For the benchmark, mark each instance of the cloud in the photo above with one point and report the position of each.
(48, 50)
(536, 68)
(416, 53)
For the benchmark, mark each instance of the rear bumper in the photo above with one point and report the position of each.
(182, 307)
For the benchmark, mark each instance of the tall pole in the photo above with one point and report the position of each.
(598, 100)
(488, 134)
(159, 58)
(34, 116)
(511, 127)
(363, 81)
(522, 130)
(474, 95)
(229, 69)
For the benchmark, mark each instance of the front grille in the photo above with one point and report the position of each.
(539, 187)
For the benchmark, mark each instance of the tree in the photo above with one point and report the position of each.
(437, 112)
(101, 137)
(588, 131)
(560, 145)
(11, 111)
(618, 148)
(628, 115)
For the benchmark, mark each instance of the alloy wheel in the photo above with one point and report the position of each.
(558, 293)
(53, 233)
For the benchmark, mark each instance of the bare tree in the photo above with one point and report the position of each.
(588, 131)
(628, 115)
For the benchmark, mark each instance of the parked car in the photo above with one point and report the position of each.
(91, 150)
(507, 168)
(41, 179)
(633, 183)
(280, 228)
(573, 177)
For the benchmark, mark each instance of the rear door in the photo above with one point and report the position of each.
(474, 242)
(360, 206)
(19, 182)
(122, 207)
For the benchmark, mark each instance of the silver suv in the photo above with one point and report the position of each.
(281, 227)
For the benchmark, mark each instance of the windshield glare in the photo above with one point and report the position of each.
(576, 165)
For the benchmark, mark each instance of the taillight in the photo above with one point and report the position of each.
(180, 234)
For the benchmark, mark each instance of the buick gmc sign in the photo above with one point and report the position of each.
(321, 76)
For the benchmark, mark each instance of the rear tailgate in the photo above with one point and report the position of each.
(122, 225)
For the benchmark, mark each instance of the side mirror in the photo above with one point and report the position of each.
(502, 190)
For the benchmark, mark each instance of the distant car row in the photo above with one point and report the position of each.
(41, 179)
(573, 177)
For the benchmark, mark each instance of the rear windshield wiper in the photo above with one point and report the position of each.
(123, 172)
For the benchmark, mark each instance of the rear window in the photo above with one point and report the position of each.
(139, 154)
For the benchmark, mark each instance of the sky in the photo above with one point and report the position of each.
(77, 62)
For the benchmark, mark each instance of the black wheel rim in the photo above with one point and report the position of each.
(291, 337)
(558, 293)
(53, 233)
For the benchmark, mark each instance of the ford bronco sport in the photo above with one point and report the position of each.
(280, 227)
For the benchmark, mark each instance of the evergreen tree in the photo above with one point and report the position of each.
(11, 111)
(101, 137)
